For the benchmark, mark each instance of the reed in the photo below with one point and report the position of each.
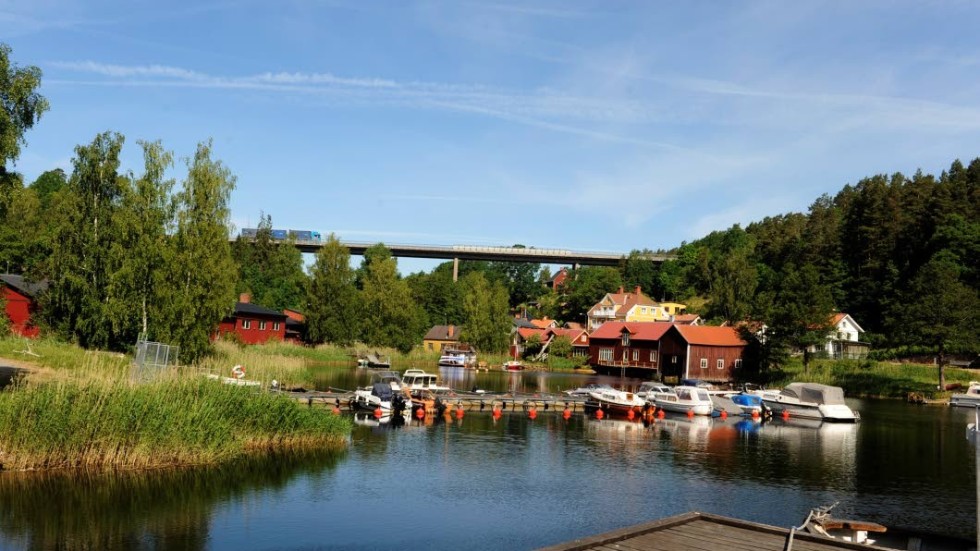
(871, 378)
(176, 420)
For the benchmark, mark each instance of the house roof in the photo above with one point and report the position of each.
(572, 334)
(686, 319)
(563, 271)
(625, 301)
(839, 317)
(527, 332)
(710, 335)
(443, 333)
(639, 330)
(543, 323)
(249, 309)
(24, 287)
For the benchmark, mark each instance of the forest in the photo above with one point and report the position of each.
(128, 253)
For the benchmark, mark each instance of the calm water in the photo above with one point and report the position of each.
(517, 484)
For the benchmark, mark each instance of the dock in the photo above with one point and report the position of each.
(468, 401)
(697, 531)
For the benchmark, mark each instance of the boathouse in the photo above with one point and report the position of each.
(627, 348)
(254, 324)
(20, 299)
(702, 352)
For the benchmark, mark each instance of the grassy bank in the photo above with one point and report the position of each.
(866, 378)
(176, 421)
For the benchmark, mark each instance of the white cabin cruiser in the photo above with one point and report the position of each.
(649, 388)
(810, 401)
(415, 380)
(970, 399)
(683, 399)
(616, 401)
(385, 392)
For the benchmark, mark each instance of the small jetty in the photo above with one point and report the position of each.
(697, 531)
(457, 399)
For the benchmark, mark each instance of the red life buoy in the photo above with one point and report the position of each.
(238, 371)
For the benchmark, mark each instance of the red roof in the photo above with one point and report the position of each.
(639, 330)
(686, 319)
(624, 301)
(710, 335)
(572, 334)
(527, 332)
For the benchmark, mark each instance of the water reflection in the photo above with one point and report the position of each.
(137, 510)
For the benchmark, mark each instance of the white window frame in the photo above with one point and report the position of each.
(636, 355)
(262, 325)
(626, 338)
(653, 356)
(606, 354)
(275, 326)
(704, 363)
(738, 363)
(246, 324)
(720, 363)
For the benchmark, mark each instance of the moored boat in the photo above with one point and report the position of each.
(386, 393)
(585, 390)
(971, 398)
(649, 388)
(417, 379)
(737, 403)
(683, 399)
(810, 401)
(615, 401)
(513, 365)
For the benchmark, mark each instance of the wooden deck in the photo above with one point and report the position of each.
(703, 532)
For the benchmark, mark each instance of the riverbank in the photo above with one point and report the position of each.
(74, 409)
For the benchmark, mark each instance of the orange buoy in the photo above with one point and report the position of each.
(496, 413)
(755, 414)
(690, 413)
(599, 414)
(567, 414)
(785, 414)
(378, 413)
(533, 414)
(419, 413)
(336, 410)
(459, 413)
(630, 415)
(724, 414)
(660, 414)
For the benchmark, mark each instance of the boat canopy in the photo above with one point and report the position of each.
(815, 392)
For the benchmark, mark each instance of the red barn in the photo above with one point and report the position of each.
(21, 303)
(701, 352)
(254, 324)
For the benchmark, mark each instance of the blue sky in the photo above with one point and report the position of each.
(605, 125)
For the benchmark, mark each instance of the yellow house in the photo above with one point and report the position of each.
(673, 308)
(622, 306)
(441, 337)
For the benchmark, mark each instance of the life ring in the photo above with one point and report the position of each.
(238, 371)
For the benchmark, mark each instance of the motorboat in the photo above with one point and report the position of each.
(374, 361)
(615, 401)
(737, 403)
(385, 392)
(970, 399)
(583, 391)
(513, 365)
(454, 359)
(684, 399)
(810, 401)
(416, 379)
(649, 388)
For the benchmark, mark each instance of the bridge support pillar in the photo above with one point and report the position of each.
(455, 269)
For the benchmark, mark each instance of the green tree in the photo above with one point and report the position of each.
(585, 287)
(82, 257)
(270, 270)
(486, 324)
(561, 346)
(143, 246)
(438, 295)
(21, 107)
(640, 272)
(801, 311)
(48, 184)
(333, 305)
(391, 317)
(941, 312)
(733, 286)
(201, 284)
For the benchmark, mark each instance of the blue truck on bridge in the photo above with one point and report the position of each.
(282, 235)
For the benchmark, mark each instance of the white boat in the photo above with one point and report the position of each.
(810, 401)
(970, 399)
(583, 391)
(416, 380)
(736, 403)
(386, 392)
(454, 359)
(683, 399)
(611, 400)
(649, 388)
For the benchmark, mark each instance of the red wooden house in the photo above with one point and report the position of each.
(254, 324)
(20, 298)
(578, 337)
(700, 352)
(666, 351)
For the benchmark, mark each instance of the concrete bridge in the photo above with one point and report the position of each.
(481, 252)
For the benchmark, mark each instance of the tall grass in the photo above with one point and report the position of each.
(101, 424)
(872, 378)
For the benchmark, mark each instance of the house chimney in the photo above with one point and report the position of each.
(450, 332)
(637, 290)
(620, 291)
(245, 297)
